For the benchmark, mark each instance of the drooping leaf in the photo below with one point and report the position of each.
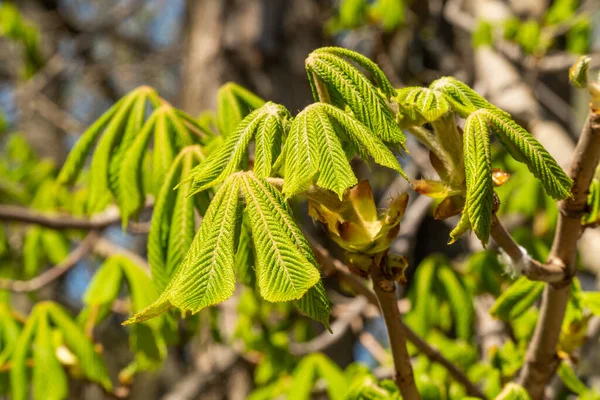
(517, 299)
(91, 363)
(460, 302)
(18, 373)
(525, 148)
(233, 104)
(330, 68)
(267, 124)
(283, 273)
(105, 286)
(478, 173)
(313, 149)
(49, 378)
(172, 227)
(207, 274)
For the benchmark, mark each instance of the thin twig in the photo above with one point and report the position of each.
(55, 272)
(385, 290)
(531, 268)
(61, 221)
(542, 359)
(334, 267)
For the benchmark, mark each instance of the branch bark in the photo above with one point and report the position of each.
(542, 360)
(61, 221)
(531, 268)
(55, 272)
(385, 290)
(334, 267)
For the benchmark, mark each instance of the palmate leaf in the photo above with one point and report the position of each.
(523, 147)
(172, 227)
(267, 124)
(285, 266)
(48, 376)
(314, 149)
(461, 97)
(123, 135)
(478, 173)
(329, 67)
(233, 104)
(314, 303)
(206, 276)
(282, 271)
(421, 104)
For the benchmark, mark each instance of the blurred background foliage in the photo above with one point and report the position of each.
(64, 62)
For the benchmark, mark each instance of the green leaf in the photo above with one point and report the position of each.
(422, 293)
(244, 257)
(570, 379)
(309, 370)
(133, 126)
(55, 244)
(105, 286)
(478, 173)
(379, 79)
(233, 104)
(282, 271)
(525, 148)
(131, 182)
(172, 227)
(313, 148)
(99, 168)
(591, 300)
(32, 258)
(358, 93)
(91, 363)
(18, 372)
(206, 276)
(77, 156)
(165, 150)
(267, 124)
(461, 97)
(315, 304)
(460, 301)
(49, 378)
(512, 391)
(517, 299)
(421, 104)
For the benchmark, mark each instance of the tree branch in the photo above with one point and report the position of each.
(531, 268)
(385, 290)
(55, 272)
(61, 221)
(334, 267)
(542, 360)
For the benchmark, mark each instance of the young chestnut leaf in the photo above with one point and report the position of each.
(267, 124)
(420, 105)
(234, 103)
(206, 276)
(461, 97)
(172, 227)
(314, 149)
(333, 77)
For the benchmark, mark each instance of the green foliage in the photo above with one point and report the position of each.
(234, 104)
(517, 299)
(122, 139)
(483, 36)
(513, 391)
(314, 148)
(267, 125)
(172, 228)
(388, 14)
(309, 370)
(14, 27)
(438, 290)
(283, 269)
(49, 380)
(421, 105)
(333, 77)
